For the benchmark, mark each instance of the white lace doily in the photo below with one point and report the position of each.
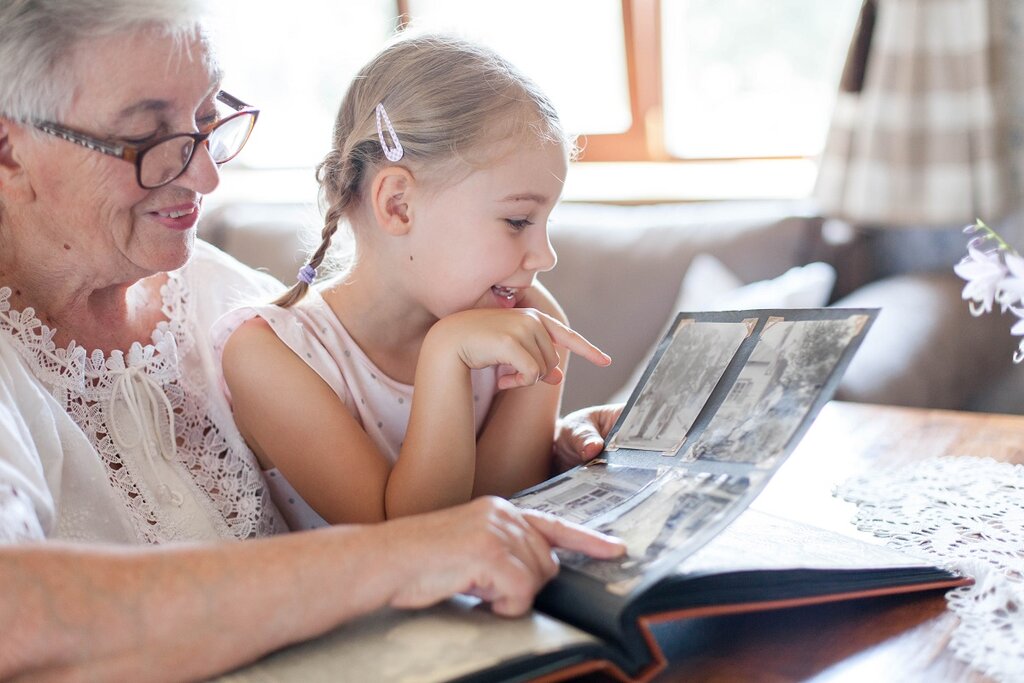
(968, 514)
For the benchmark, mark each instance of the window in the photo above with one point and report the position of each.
(294, 61)
(749, 78)
(729, 79)
(642, 80)
(575, 50)
(301, 71)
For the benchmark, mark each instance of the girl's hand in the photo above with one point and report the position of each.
(522, 338)
(580, 435)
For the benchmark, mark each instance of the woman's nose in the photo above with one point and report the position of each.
(202, 174)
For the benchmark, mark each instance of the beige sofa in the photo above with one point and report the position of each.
(620, 269)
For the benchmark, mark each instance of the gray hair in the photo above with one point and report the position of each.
(37, 36)
(449, 100)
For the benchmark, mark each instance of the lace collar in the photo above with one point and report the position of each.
(82, 372)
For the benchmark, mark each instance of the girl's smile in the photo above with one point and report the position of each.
(507, 297)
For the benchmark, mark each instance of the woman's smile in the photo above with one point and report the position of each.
(177, 217)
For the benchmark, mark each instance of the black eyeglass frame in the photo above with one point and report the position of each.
(134, 153)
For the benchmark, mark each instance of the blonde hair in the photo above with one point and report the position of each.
(447, 98)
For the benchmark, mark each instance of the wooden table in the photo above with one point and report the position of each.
(891, 639)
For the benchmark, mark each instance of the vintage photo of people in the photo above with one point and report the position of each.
(679, 386)
(775, 389)
(662, 526)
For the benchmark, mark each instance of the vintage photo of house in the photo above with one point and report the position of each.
(588, 491)
(774, 390)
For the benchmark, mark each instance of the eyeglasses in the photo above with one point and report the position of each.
(163, 160)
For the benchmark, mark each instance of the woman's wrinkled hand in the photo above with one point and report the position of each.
(488, 549)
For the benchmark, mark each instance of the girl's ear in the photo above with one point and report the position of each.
(15, 185)
(389, 194)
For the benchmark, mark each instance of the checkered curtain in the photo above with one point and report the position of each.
(918, 134)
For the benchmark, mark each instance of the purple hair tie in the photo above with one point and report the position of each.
(307, 274)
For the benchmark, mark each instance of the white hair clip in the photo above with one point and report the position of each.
(392, 153)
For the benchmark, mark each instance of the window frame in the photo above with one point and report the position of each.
(644, 140)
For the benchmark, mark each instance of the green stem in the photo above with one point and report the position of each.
(993, 235)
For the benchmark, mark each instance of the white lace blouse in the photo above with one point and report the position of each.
(135, 447)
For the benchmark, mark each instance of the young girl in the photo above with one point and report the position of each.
(430, 371)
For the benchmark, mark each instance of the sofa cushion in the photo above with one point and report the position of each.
(925, 348)
(709, 286)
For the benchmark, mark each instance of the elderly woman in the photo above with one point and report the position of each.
(112, 430)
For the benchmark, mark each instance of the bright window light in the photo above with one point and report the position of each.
(573, 49)
(294, 61)
(749, 78)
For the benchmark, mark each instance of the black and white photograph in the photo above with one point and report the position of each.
(662, 525)
(680, 384)
(588, 491)
(774, 390)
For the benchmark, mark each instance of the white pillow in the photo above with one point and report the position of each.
(710, 286)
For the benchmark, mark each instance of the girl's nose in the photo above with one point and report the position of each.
(541, 257)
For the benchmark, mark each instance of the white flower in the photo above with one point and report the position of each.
(1010, 291)
(1018, 331)
(995, 274)
(984, 272)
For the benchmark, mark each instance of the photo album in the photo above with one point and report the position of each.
(724, 400)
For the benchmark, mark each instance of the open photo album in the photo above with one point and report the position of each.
(724, 400)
